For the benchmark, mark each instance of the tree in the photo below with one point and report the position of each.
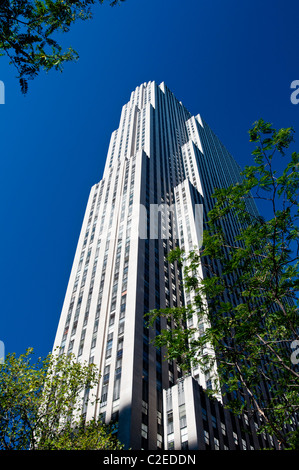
(251, 340)
(28, 28)
(41, 405)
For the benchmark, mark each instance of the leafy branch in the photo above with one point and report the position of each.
(27, 29)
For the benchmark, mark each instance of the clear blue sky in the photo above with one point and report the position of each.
(231, 61)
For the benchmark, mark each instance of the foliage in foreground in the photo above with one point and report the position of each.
(41, 405)
(29, 33)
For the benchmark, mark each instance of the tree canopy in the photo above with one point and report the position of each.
(42, 405)
(29, 33)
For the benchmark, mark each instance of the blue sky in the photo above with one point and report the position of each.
(231, 61)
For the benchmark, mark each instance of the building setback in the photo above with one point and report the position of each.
(195, 421)
(162, 167)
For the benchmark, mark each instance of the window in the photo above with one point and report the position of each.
(121, 327)
(144, 407)
(116, 389)
(159, 441)
(169, 422)
(182, 415)
(106, 374)
(112, 319)
(214, 422)
(70, 346)
(93, 342)
(96, 324)
(170, 441)
(118, 369)
(144, 430)
(184, 435)
(206, 437)
(109, 345)
(81, 345)
(123, 305)
(209, 384)
(104, 394)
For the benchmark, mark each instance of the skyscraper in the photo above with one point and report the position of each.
(162, 167)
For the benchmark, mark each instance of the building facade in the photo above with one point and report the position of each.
(162, 167)
(195, 421)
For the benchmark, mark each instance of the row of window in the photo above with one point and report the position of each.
(119, 288)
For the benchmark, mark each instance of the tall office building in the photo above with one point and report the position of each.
(162, 167)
